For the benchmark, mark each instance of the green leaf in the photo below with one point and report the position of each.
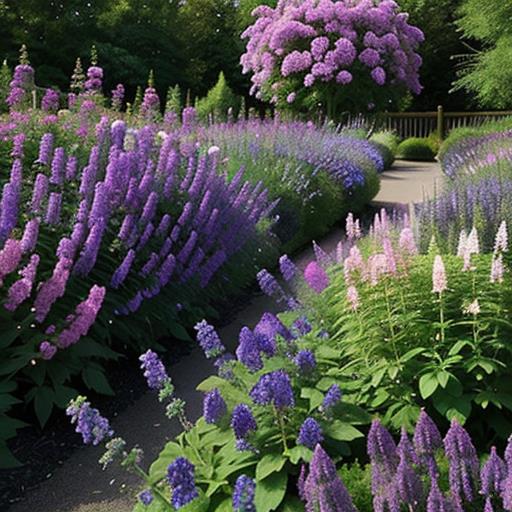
(442, 378)
(412, 353)
(95, 379)
(7, 459)
(428, 385)
(341, 431)
(314, 395)
(179, 331)
(298, 453)
(43, 404)
(225, 506)
(268, 464)
(158, 469)
(292, 504)
(271, 491)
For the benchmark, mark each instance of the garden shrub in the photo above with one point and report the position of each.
(218, 103)
(386, 153)
(416, 148)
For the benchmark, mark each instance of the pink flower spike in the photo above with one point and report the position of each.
(501, 242)
(353, 297)
(439, 281)
(461, 248)
(497, 269)
(406, 241)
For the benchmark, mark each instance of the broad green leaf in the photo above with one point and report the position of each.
(341, 431)
(298, 453)
(43, 404)
(158, 469)
(268, 464)
(271, 491)
(314, 395)
(95, 379)
(428, 385)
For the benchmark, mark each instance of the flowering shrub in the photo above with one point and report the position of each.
(344, 54)
(418, 331)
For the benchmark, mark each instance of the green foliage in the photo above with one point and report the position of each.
(5, 79)
(387, 143)
(219, 101)
(211, 448)
(173, 100)
(487, 73)
(416, 148)
(404, 348)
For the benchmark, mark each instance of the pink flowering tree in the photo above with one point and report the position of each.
(350, 55)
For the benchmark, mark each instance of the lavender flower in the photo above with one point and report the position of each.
(122, 271)
(47, 350)
(21, 289)
(244, 494)
(154, 370)
(464, 465)
(305, 361)
(145, 497)
(408, 482)
(315, 277)
(269, 285)
(209, 340)
(242, 421)
(214, 407)
(287, 267)
(492, 475)
(181, 478)
(323, 489)
(273, 388)
(270, 326)
(89, 423)
(310, 434)
(331, 398)
(436, 502)
(427, 441)
(45, 149)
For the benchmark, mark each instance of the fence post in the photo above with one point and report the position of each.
(440, 122)
(34, 99)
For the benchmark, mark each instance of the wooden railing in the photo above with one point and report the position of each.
(422, 124)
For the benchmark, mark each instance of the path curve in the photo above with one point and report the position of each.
(79, 485)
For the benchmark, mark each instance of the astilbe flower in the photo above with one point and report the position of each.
(83, 318)
(439, 281)
(353, 297)
(471, 247)
(305, 361)
(497, 269)
(427, 441)
(209, 340)
(287, 267)
(214, 406)
(275, 389)
(331, 398)
(323, 489)
(310, 434)
(501, 242)
(406, 241)
(181, 478)
(93, 427)
(315, 277)
(464, 465)
(154, 370)
(244, 494)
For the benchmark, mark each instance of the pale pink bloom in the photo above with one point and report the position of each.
(439, 282)
(378, 266)
(357, 229)
(353, 297)
(461, 248)
(406, 241)
(349, 226)
(339, 252)
(390, 255)
(353, 262)
(497, 269)
(501, 242)
(377, 227)
(384, 224)
(472, 247)
(473, 308)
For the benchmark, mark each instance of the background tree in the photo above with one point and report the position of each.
(487, 73)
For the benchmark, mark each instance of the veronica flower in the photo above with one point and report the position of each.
(214, 406)
(427, 441)
(492, 475)
(154, 370)
(287, 267)
(273, 388)
(244, 494)
(181, 478)
(242, 421)
(93, 427)
(310, 434)
(209, 340)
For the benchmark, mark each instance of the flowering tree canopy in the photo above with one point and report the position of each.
(350, 54)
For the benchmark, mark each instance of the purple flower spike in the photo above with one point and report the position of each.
(310, 434)
(273, 388)
(154, 370)
(242, 421)
(323, 489)
(209, 340)
(315, 277)
(427, 441)
(248, 350)
(181, 478)
(436, 502)
(492, 474)
(244, 494)
(287, 267)
(214, 407)
(89, 423)
(305, 362)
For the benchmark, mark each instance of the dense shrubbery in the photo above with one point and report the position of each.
(416, 148)
(387, 143)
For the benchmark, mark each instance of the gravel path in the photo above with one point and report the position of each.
(79, 485)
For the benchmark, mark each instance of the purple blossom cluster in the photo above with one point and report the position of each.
(94, 80)
(50, 101)
(300, 44)
(20, 86)
(93, 427)
(181, 478)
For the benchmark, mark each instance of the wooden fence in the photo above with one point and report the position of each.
(422, 124)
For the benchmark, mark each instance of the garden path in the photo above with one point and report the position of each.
(79, 485)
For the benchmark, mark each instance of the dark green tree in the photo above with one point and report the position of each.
(487, 72)
(5, 79)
